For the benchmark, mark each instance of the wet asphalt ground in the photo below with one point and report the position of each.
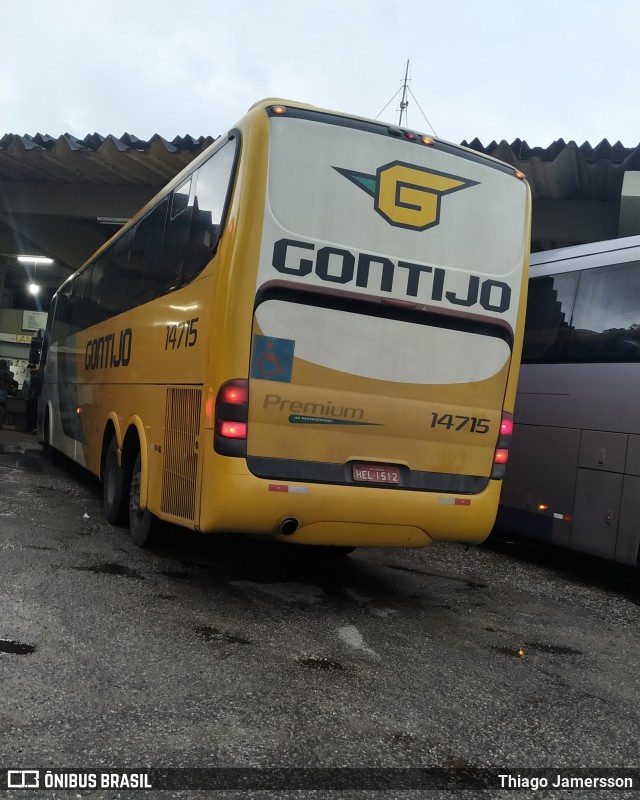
(219, 652)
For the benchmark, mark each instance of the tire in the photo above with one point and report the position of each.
(142, 524)
(115, 500)
(47, 450)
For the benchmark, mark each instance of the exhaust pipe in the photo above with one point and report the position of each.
(288, 526)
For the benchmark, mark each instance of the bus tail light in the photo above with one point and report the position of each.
(233, 430)
(506, 427)
(232, 412)
(234, 393)
(501, 455)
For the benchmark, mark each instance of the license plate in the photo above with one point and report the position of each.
(376, 473)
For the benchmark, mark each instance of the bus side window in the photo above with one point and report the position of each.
(81, 300)
(176, 235)
(607, 315)
(111, 284)
(146, 279)
(97, 283)
(212, 190)
(61, 327)
(548, 325)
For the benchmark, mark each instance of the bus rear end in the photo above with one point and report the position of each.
(385, 338)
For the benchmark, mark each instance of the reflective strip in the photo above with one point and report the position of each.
(282, 487)
(454, 501)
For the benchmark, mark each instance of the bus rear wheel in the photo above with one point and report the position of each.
(114, 495)
(142, 524)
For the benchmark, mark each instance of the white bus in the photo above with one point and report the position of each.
(574, 466)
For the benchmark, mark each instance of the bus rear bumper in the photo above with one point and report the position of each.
(358, 534)
(318, 514)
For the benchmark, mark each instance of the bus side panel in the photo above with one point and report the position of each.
(595, 519)
(628, 542)
(126, 368)
(540, 482)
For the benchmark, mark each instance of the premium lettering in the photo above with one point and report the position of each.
(327, 409)
(380, 274)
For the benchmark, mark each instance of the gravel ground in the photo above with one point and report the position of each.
(218, 653)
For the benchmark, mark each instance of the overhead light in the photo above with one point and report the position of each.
(33, 287)
(36, 259)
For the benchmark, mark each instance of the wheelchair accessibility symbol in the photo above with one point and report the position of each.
(272, 359)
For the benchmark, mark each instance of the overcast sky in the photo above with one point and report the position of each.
(539, 70)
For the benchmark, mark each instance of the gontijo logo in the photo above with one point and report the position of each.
(405, 195)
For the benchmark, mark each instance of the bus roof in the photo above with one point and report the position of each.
(582, 250)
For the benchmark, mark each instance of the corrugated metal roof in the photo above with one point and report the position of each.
(562, 171)
(566, 171)
(96, 159)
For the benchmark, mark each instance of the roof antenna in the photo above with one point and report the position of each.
(404, 102)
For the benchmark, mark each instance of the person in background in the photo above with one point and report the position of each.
(7, 388)
(26, 382)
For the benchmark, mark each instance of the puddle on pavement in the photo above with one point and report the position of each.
(469, 584)
(112, 569)
(16, 648)
(209, 634)
(21, 458)
(325, 664)
(289, 592)
(12, 449)
(176, 575)
(537, 647)
(555, 649)
(509, 651)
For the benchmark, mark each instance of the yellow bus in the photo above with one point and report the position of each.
(312, 333)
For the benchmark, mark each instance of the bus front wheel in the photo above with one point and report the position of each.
(142, 524)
